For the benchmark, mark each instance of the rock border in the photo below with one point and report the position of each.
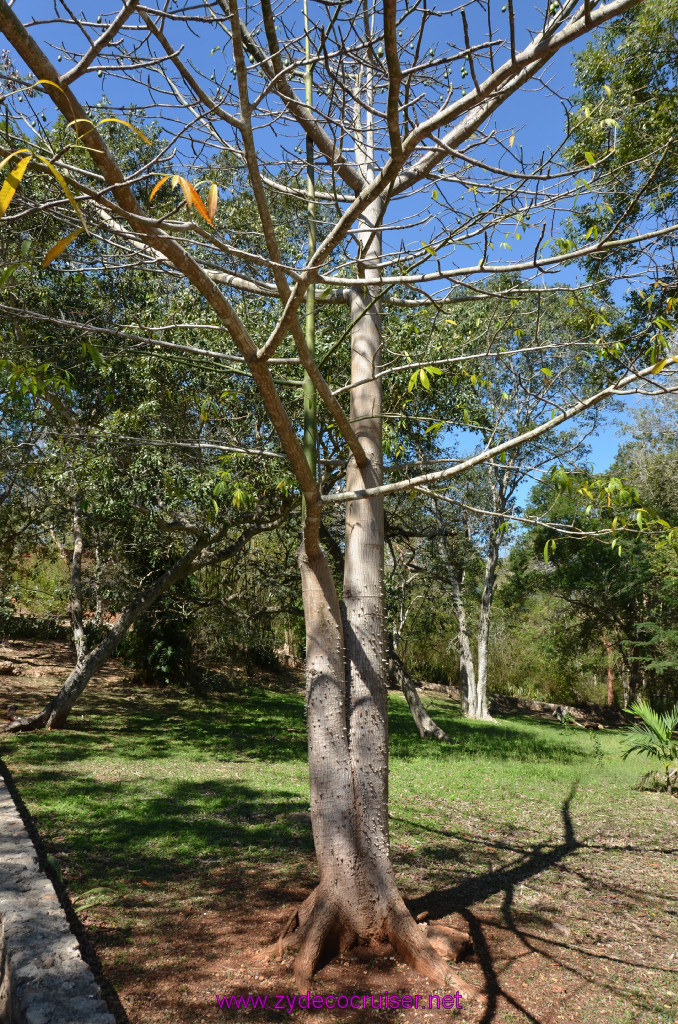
(43, 978)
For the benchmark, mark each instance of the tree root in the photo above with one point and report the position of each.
(28, 723)
(320, 929)
(451, 943)
(414, 946)
(323, 932)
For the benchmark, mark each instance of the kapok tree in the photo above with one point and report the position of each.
(402, 141)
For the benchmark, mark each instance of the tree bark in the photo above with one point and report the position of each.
(610, 671)
(357, 899)
(467, 672)
(77, 625)
(478, 709)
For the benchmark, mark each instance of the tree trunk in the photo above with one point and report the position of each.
(357, 898)
(79, 638)
(467, 673)
(56, 712)
(479, 708)
(609, 650)
(426, 727)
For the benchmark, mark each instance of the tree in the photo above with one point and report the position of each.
(378, 94)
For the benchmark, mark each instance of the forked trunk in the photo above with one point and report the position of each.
(357, 899)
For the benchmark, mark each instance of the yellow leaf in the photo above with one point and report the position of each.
(11, 183)
(57, 249)
(119, 120)
(212, 200)
(199, 205)
(512, 140)
(157, 186)
(187, 190)
(11, 156)
(46, 81)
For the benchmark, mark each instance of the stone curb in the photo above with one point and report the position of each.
(43, 978)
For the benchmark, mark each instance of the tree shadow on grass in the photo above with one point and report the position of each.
(519, 739)
(269, 726)
(262, 726)
(474, 889)
(459, 898)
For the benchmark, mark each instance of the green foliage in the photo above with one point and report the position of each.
(159, 647)
(654, 738)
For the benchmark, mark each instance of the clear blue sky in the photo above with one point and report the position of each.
(534, 115)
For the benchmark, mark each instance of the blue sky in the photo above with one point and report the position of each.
(534, 116)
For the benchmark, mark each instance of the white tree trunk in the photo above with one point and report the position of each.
(77, 624)
(467, 673)
(479, 708)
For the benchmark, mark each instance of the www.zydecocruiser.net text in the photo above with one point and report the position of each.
(356, 1001)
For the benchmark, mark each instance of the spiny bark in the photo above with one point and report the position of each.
(357, 898)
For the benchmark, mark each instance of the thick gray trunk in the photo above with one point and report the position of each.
(363, 593)
(357, 897)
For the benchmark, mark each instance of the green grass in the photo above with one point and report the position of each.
(533, 820)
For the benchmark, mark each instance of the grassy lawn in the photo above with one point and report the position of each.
(179, 825)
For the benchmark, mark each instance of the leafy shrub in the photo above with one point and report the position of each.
(654, 738)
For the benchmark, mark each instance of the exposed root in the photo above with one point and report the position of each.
(320, 929)
(28, 723)
(449, 942)
(321, 941)
(292, 934)
(412, 945)
(289, 927)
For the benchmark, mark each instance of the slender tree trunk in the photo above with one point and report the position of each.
(479, 709)
(79, 638)
(426, 727)
(55, 714)
(99, 609)
(609, 650)
(467, 674)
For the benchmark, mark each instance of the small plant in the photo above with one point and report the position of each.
(598, 749)
(654, 738)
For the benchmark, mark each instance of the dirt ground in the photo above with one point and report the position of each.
(590, 950)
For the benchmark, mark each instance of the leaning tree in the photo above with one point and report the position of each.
(411, 186)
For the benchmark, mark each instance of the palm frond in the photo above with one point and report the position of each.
(651, 719)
